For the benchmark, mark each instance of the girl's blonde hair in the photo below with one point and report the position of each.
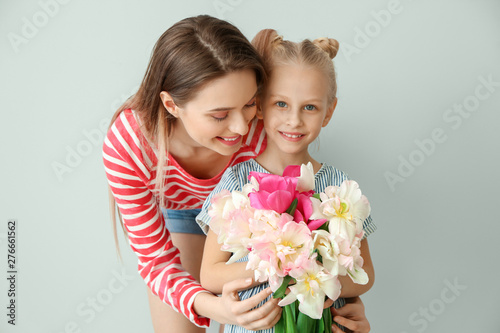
(189, 54)
(317, 53)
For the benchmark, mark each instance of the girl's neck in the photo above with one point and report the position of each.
(276, 162)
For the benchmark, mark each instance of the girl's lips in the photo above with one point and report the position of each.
(230, 140)
(294, 137)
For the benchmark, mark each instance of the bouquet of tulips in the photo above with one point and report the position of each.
(296, 239)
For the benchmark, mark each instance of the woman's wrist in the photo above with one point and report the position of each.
(207, 305)
(200, 303)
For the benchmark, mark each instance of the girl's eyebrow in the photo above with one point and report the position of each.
(276, 96)
(312, 100)
(228, 108)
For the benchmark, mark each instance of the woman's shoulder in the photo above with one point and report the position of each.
(255, 139)
(126, 136)
(126, 122)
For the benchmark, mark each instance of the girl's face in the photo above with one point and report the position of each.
(295, 107)
(219, 114)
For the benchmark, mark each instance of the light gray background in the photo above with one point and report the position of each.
(437, 224)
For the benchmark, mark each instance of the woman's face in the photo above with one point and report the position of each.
(219, 114)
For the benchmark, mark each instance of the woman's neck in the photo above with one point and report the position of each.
(199, 161)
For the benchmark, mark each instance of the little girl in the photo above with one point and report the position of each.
(297, 102)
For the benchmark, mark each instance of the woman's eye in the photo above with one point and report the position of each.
(252, 104)
(281, 104)
(219, 117)
(310, 107)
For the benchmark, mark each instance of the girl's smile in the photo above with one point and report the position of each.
(294, 109)
(294, 137)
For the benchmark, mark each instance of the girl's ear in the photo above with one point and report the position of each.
(169, 104)
(259, 113)
(329, 112)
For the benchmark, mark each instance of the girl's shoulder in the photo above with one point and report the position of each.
(329, 175)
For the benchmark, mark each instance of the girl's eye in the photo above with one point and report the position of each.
(310, 107)
(281, 104)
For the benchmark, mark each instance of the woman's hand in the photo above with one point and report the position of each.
(240, 312)
(351, 316)
(228, 309)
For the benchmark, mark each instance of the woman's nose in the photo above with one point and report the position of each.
(239, 124)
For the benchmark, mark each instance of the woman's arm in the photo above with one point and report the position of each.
(159, 261)
(214, 270)
(351, 289)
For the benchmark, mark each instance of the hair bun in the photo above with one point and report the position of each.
(329, 45)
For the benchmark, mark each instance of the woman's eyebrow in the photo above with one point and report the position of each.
(229, 108)
(222, 108)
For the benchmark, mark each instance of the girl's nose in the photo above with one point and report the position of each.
(294, 118)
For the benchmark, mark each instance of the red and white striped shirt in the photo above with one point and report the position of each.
(130, 164)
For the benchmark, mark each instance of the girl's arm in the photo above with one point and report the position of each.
(351, 289)
(214, 270)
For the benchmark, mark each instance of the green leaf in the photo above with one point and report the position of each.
(305, 323)
(317, 196)
(328, 320)
(280, 325)
(295, 310)
(324, 226)
(280, 293)
(293, 207)
(290, 323)
(320, 327)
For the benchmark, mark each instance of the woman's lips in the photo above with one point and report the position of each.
(229, 140)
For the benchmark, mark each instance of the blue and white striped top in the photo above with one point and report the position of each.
(235, 178)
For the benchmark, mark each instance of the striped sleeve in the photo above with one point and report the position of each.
(158, 260)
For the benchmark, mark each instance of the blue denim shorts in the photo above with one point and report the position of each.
(182, 221)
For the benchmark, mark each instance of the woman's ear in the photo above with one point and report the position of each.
(169, 104)
(329, 112)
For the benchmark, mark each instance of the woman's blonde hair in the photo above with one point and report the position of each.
(189, 54)
(317, 53)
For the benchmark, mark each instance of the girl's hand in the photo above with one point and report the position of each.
(351, 316)
(240, 312)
